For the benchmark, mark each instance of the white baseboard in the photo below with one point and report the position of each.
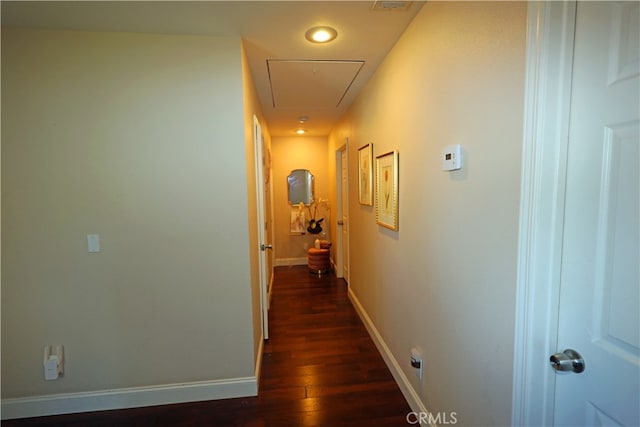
(280, 262)
(69, 403)
(270, 288)
(259, 361)
(398, 374)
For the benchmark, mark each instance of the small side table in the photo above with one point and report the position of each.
(318, 261)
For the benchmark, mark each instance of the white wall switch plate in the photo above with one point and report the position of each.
(451, 157)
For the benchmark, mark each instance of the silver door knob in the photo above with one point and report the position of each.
(265, 247)
(568, 360)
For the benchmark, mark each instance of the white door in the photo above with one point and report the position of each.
(342, 214)
(599, 280)
(264, 249)
(339, 260)
(345, 216)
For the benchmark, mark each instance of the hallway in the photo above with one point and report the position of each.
(320, 361)
(320, 368)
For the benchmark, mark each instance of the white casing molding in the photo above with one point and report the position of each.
(550, 37)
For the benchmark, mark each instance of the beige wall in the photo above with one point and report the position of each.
(289, 153)
(139, 138)
(445, 282)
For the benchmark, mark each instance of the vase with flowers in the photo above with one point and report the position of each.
(315, 223)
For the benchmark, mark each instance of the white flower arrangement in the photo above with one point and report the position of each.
(314, 223)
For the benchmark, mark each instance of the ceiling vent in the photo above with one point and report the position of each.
(387, 5)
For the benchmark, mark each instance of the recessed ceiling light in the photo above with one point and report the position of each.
(301, 131)
(302, 119)
(321, 34)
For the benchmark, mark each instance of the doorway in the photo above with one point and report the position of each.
(265, 249)
(578, 271)
(342, 212)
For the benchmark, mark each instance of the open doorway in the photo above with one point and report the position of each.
(264, 252)
(342, 212)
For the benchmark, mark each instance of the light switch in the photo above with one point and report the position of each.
(93, 242)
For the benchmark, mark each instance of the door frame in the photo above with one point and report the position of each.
(549, 60)
(340, 209)
(262, 234)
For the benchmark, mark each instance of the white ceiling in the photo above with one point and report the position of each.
(293, 77)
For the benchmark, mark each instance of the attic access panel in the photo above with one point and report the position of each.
(310, 83)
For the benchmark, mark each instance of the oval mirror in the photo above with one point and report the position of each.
(300, 183)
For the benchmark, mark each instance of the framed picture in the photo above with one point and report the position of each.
(387, 190)
(365, 174)
(297, 222)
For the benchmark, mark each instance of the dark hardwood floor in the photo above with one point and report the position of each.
(320, 368)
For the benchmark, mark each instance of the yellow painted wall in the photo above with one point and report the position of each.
(291, 153)
(445, 282)
(252, 109)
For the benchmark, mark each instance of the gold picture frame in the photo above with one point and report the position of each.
(387, 190)
(365, 175)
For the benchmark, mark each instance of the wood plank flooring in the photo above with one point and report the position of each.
(320, 368)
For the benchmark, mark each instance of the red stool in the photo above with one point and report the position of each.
(318, 261)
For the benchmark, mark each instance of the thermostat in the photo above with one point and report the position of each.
(451, 158)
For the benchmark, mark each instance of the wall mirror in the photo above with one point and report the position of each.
(300, 183)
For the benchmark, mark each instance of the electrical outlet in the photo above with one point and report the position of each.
(416, 362)
(53, 362)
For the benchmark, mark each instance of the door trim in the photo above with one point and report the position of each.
(262, 235)
(550, 39)
(342, 151)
